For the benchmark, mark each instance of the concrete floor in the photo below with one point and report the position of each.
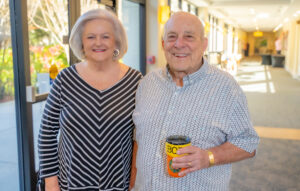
(274, 104)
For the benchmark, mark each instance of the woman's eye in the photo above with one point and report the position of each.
(90, 37)
(106, 37)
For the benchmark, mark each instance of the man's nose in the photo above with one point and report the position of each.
(179, 42)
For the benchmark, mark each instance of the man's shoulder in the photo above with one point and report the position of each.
(154, 74)
(221, 77)
(219, 73)
(152, 78)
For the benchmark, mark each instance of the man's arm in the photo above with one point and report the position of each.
(198, 159)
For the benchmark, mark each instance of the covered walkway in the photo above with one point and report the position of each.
(274, 103)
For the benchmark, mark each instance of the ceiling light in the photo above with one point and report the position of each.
(278, 27)
(298, 12)
(286, 20)
(254, 20)
(263, 15)
(252, 11)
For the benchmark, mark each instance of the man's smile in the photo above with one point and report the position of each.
(180, 55)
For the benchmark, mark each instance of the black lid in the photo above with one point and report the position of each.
(178, 140)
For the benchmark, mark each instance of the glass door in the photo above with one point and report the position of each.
(133, 18)
(48, 53)
(33, 41)
(9, 167)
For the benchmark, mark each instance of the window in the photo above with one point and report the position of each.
(9, 167)
(47, 26)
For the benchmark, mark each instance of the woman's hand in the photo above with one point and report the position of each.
(51, 184)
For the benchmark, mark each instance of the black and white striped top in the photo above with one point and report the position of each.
(95, 143)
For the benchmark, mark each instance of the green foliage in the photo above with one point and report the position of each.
(37, 35)
(41, 58)
(264, 42)
(6, 74)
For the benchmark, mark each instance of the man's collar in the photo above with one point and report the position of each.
(191, 78)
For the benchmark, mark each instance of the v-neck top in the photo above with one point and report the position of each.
(95, 144)
(85, 82)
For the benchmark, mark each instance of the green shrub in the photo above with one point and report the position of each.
(41, 58)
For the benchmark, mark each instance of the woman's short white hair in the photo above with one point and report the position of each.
(75, 40)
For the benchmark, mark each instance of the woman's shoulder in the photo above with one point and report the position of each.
(134, 73)
(68, 70)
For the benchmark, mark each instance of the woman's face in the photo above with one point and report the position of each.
(98, 41)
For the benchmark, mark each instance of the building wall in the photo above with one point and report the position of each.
(154, 31)
(291, 33)
(270, 37)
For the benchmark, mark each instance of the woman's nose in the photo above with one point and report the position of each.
(98, 40)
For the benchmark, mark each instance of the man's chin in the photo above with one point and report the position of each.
(178, 69)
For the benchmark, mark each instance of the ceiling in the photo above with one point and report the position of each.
(252, 15)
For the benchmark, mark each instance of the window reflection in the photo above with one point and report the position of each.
(87, 5)
(8, 140)
(47, 25)
(131, 20)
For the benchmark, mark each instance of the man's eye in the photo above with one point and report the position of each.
(90, 37)
(171, 37)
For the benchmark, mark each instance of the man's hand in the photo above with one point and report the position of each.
(51, 184)
(196, 159)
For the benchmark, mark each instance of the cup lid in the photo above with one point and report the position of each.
(178, 140)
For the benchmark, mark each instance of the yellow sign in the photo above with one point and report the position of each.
(163, 14)
(258, 34)
(207, 27)
(53, 71)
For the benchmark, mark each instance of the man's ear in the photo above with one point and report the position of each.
(204, 43)
(163, 43)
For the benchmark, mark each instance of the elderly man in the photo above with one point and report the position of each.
(192, 98)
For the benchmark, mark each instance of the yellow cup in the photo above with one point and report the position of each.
(173, 143)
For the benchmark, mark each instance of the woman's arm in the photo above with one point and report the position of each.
(47, 141)
(133, 166)
(51, 184)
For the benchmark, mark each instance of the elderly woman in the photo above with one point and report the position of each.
(91, 105)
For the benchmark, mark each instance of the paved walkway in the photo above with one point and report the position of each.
(9, 170)
(274, 103)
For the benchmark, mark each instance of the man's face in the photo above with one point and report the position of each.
(183, 44)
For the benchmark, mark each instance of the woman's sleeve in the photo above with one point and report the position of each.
(47, 141)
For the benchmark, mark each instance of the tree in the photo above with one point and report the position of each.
(48, 22)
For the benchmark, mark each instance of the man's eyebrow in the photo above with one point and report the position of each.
(171, 32)
(189, 32)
